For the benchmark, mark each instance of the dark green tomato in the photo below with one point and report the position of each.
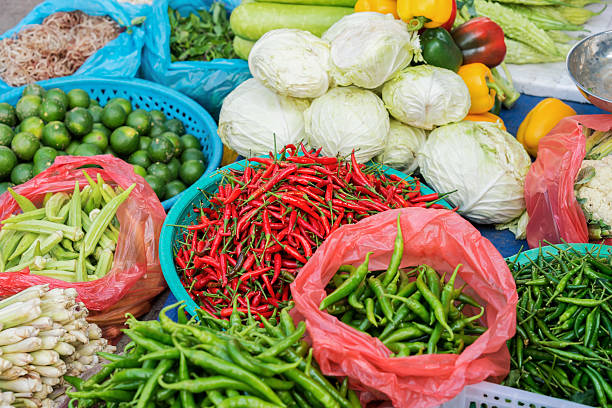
(439, 49)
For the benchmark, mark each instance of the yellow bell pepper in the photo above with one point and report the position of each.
(482, 87)
(428, 13)
(380, 6)
(485, 117)
(540, 121)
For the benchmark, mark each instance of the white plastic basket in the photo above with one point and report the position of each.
(490, 395)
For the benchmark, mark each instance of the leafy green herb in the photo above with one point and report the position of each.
(201, 37)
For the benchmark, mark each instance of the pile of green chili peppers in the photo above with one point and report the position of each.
(213, 363)
(563, 343)
(410, 316)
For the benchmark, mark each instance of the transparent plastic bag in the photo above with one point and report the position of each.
(554, 214)
(441, 239)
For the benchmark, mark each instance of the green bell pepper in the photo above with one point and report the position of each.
(439, 49)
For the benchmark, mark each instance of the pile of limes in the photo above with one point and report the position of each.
(46, 124)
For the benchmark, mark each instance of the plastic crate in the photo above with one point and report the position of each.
(149, 96)
(489, 395)
(182, 214)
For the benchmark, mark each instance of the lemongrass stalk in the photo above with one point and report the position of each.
(77, 324)
(58, 304)
(94, 332)
(91, 348)
(45, 357)
(45, 390)
(47, 403)
(18, 359)
(59, 332)
(5, 364)
(48, 343)
(7, 398)
(23, 384)
(49, 371)
(19, 313)
(23, 346)
(80, 311)
(12, 373)
(62, 315)
(52, 381)
(23, 395)
(25, 403)
(33, 292)
(86, 360)
(42, 323)
(80, 335)
(64, 349)
(69, 338)
(16, 334)
(76, 368)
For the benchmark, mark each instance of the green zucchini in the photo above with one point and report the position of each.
(243, 47)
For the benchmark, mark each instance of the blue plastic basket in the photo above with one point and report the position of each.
(149, 96)
(182, 214)
(525, 257)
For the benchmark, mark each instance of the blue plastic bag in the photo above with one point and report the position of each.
(208, 82)
(118, 58)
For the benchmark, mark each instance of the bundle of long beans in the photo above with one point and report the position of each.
(563, 344)
(410, 316)
(267, 220)
(43, 335)
(214, 363)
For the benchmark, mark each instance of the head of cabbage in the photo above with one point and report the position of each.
(426, 96)
(345, 119)
(369, 48)
(403, 144)
(291, 62)
(483, 163)
(252, 116)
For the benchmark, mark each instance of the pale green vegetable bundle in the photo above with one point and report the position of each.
(43, 336)
(70, 238)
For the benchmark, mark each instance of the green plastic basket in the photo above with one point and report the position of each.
(182, 214)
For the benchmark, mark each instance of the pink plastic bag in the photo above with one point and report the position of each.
(140, 216)
(441, 239)
(554, 213)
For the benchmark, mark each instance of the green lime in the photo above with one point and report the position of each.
(97, 138)
(25, 145)
(87, 149)
(102, 128)
(174, 165)
(191, 142)
(56, 135)
(108, 150)
(62, 153)
(157, 184)
(93, 102)
(51, 110)
(124, 103)
(71, 148)
(160, 149)
(176, 126)
(157, 130)
(78, 98)
(173, 188)
(144, 142)
(6, 134)
(28, 105)
(176, 142)
(157, 117)
(45, 154)
(96, 113)
(33, 89)
(141, 171)
(124, 140)
(193, 154)
(140, 158)
(8, 116)
(39, 167)
(58, 96)
(113, 116)
(33, 125)
(4, 186)
(139, 120)
(160, 170)
(79, 121)
(8, 161)
(21, 173)
(191, 171)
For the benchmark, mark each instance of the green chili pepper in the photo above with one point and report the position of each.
(379, 292)
(583, 302)
(413, 305)
(435, 304)
(349, 285)
(369, 304)
(433, 280)
(396, 258)
(434, 338)
(408, 332)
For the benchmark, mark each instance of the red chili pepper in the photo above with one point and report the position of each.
(302, 223)
(277, 267)
(248, 263)
(181, 263)
(261, 160)
(255, 273)
(357, 175)
(215, 244)
(304, 243)
(299, 203)
(438, 206)
(227, 312)
(199, 261)
(233, 195)
(285, 296)
(292, 220)
(338, 220)
(423, 198)
(328, 192)
(268, 285)
(257, 299)
(270, 183)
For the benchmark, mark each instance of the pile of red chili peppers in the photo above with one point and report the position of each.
(268, 219)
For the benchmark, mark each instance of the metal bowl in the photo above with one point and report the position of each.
(589, 64)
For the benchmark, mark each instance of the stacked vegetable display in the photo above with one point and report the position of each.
(45, 124)
(70, 237)
(44, 335)
(267, 220)
(410, 316)
(215, 363)
(564, 329)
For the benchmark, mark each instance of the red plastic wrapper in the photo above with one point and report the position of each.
(554, 213)
(140, 217)
(441, 239)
